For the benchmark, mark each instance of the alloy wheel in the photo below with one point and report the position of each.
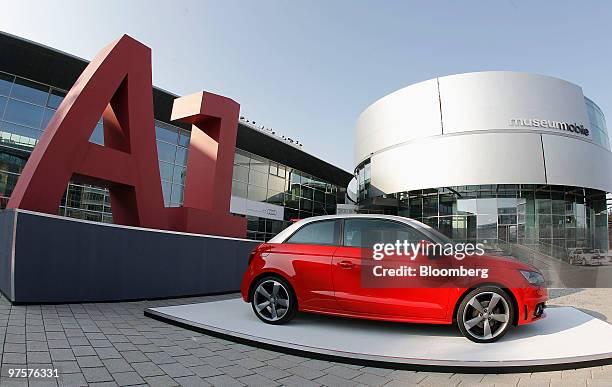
(486, 315)
(271, 300)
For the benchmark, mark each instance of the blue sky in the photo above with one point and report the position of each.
(309, 68)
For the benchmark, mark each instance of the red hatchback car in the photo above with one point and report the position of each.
(315, 266)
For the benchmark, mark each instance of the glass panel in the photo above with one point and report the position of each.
(487, 227)
(2, 105)
(259, 179)
(317, 233)
(277, 198)
(259, 164)
(273, 168)
(177, 194)
(306, 205)
(179, 175)
(239, 189)
(276, 183)
(23, 113)
(166, 134)
(181, 156)
(97, 136)
(166, 189)
(507, 206)
(29, 91)
(241, 158)
(447, 201)
(55, 98)
(11, 163)
(487, 206)
(6, 81)
(430, 205)
(166, 152)
(466, 207)
(47, 115)
(165, 171)
(7, 183)
(257, 194)
(295, 176)
(306, 192)
(240, 173)
(319, 196)
(184, 137)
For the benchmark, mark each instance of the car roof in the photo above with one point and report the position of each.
(283, 235)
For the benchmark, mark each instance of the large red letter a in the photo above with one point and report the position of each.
(117, 85)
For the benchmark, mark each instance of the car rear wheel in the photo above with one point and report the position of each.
(485, 314)
(273, 300)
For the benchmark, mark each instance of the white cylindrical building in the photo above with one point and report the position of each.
(492, 156)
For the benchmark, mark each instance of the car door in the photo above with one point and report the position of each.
(425, 301)
(306, 257)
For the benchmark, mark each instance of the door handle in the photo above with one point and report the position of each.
(346, 264)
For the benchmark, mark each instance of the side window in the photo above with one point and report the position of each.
(366, 232)
(325, 232)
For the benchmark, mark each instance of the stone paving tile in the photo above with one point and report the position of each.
(89, 361)
(192, 381)
(305, 372)
(147, 369)
(271, 372)
(223, 381)
(297, 381)
(257, 381)
(343, 371)
(98, 374)
(206, 370)
(38, 357)
(236, 371)
(335, 381)
(69, 380)
(117, 365)
(127, 378)
(66, 367)
(161, 381)
(134, 356)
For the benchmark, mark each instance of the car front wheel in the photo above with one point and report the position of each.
(273, 300)
(485, 314)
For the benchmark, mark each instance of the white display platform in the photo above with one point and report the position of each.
(566, 338)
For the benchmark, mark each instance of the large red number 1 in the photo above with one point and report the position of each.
(117, 85)
(208, 184)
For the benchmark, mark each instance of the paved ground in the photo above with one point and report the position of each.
(114, 344)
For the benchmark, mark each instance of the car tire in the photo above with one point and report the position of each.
(478, 322)
(273, 300)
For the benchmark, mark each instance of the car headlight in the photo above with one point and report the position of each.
(533, 277)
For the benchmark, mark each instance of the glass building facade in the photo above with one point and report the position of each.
(552, 219)
(27, 106)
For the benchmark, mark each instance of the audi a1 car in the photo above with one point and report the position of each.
(315, 266)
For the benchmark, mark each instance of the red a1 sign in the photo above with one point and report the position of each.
(117, 85)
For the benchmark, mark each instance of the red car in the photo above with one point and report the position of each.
(315, 266)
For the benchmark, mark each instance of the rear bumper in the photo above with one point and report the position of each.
(532, 305)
